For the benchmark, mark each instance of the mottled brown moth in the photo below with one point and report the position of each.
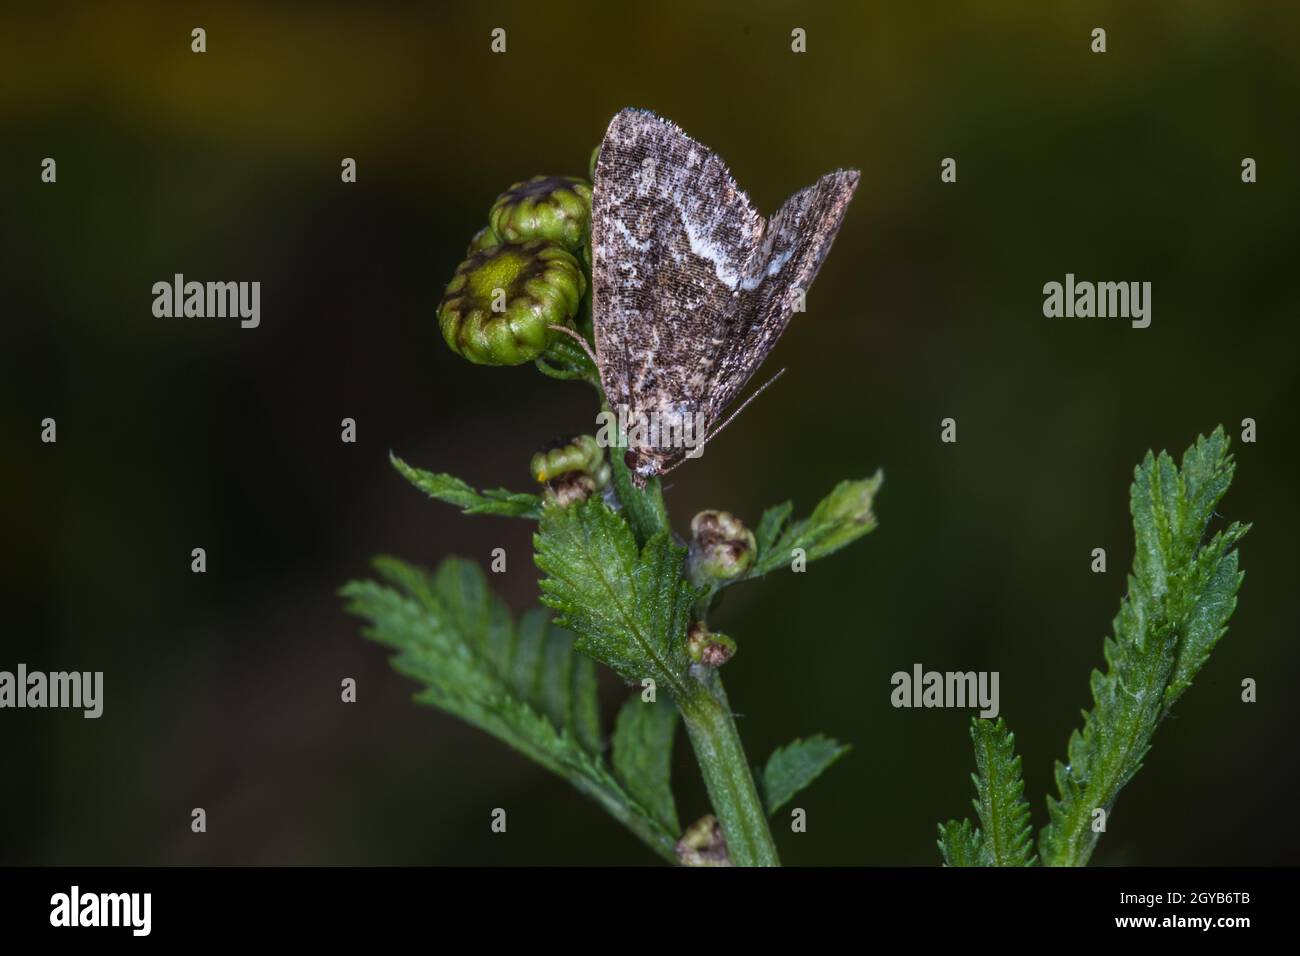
(691, 286)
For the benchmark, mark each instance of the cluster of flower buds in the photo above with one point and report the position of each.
(522, 275)
(570, 469)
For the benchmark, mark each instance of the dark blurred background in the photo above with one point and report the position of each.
(222, 690)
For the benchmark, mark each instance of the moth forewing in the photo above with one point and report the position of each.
(691, 287)
(795, 244)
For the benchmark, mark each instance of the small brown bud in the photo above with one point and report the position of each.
(722, 548)
(708, 648)
(703, 844)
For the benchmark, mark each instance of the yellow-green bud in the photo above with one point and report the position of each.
(485, 238)
(580, 453)
(557, 208)
(570, 469)
(500, 305)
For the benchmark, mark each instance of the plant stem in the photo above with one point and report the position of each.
(645, 510)
(704, 707)
(726, 772)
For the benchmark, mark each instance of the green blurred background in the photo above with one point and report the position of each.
(222, 690)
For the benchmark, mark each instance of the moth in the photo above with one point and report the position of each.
(691, 286)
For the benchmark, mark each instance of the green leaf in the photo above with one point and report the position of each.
(839, 519)
(795, 766)
(522, 682)
(493, 501)
(960, 843)
(629, 609)
(1006, 839)
(770, 525)
(643, 756)
(1209, 593)
(1181, 593)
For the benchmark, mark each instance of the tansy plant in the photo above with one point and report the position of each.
(621, 589)
(1181, 592)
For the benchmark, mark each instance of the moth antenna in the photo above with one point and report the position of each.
(744, 405)
(718, 431)
(580, 340)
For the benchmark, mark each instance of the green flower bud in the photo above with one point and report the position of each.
(722, 548)
(570, 469)
(557, 208)
(580, 453)
(708, 648)
(500, 304)
(485, 238)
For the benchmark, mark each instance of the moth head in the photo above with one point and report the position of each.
(643, 467)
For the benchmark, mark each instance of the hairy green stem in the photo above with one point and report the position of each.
(704, 708)
(644, 509)
(726, 773)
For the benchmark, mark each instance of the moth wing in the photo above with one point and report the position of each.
(794, 245)
(672, 239)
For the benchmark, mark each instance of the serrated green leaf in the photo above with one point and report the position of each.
(523, 683)
(642, 754)
(1007, 836)
(629, 609)
(1181, 594)
(1209, 595)
(795, 766)
(960, 843)
(448, 488)
(1000, 797)
(839, 519)
(770, 525)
